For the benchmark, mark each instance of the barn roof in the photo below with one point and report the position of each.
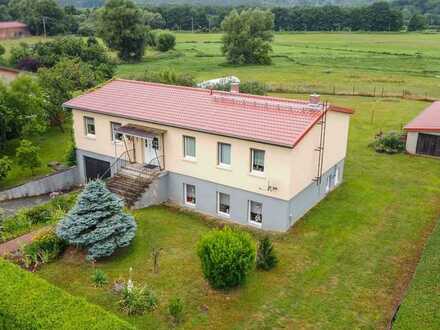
(12, 24)
(428, 120)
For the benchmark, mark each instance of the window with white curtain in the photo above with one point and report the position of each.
(189, 147)
(257, 159)
(255, 213)
(224, 154)
(89, 124)
(190, 194)
(116, 137)
(223, 204)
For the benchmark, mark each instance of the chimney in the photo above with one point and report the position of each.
(314, 99)
(235, 87)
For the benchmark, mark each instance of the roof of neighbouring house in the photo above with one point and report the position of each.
(257, 118)
(12, 24)
(428, 120)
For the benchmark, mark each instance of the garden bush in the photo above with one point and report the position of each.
(165, 41)
(137, 300)
(99, 278)
(227, 256)
(45, 247)
(390, 143)
(175, 308)
(266, 258)
(29, 302)
(39, 214)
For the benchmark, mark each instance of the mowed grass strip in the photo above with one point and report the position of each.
(419, 309)
(343, 266)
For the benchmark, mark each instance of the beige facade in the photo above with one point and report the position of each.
(288, 170)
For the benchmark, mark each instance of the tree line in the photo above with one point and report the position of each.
(57, 19)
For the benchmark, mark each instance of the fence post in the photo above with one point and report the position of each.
(382, 91)
(334, 90)
(374, 92)
(353, 91)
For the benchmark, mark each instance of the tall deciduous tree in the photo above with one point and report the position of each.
(417, 23)
(121, 25)
(22, 109)
(61, 81)
(248, 36)
(97, 222)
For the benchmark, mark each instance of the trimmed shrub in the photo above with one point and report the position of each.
(175, 308)
(97, 222)
(99, 278)
(227, 256)
(266, 258)
(165, 41)
(29, 302)
(390, 143)
(137, 300)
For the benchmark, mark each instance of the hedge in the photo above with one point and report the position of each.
(29, 302)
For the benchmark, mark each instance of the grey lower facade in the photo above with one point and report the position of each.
(277, 214)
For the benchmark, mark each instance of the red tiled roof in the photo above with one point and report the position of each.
(428, 120)
(262, 119)
(12, 24)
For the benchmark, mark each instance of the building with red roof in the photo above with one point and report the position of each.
(13, 29)
(423, 132)
(255, 160)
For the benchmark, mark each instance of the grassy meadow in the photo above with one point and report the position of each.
(345, 265)
(323, 62)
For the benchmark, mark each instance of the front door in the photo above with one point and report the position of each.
(151, 152)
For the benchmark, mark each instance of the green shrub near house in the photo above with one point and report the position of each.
(227, 256)
(29, 302)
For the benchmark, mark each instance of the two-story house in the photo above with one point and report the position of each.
(254, 160)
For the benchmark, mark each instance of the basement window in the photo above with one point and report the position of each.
(190, 194)
(255, 213)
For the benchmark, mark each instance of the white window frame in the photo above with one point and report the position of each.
(189, 157)
(254, 171)
(219, 157)
(223, 214)
(86, 126)
(113, 133)
(254, 223)
(185, 192)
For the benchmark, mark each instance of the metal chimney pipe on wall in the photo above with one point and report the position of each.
(235, 87)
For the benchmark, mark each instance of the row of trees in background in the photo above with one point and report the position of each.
(49, 15)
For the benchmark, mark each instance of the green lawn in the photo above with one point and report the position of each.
(343, 266)
(420, 308)
(54, 146)
(320, 62)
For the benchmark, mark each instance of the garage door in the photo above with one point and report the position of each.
(96, 168)
(428, 144)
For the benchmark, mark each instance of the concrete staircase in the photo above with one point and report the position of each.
(130, 183)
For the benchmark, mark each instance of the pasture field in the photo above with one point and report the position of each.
(345, 265)
(322, 62)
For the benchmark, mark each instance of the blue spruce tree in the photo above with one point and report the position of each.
(97, 222)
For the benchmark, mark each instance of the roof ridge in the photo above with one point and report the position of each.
(150, 83)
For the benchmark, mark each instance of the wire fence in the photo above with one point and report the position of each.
(353, 91)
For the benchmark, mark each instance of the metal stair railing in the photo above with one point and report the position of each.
(120, 162)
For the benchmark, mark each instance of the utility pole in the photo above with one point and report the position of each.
(192, 24)
(44, 26)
